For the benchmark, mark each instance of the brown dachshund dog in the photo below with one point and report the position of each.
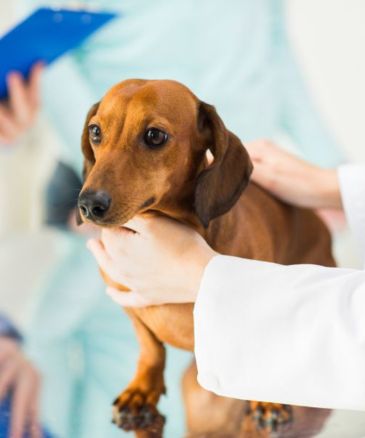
(145, 147)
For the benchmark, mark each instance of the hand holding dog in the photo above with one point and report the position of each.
(292, 179)
(162, 261)
(158, 259)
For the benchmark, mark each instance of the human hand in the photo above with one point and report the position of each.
(19, 376)
(292, 179)
(158, 259)
(18, 113)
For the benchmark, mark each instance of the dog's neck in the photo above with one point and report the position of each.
(184, 217)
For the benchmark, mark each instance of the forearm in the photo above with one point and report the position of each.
(281, 333)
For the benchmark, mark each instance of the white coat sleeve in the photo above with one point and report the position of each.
(289, 334)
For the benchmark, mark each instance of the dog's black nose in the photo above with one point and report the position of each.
(94, 205)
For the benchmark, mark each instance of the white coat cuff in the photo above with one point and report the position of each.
(209, 314)
(352, 186)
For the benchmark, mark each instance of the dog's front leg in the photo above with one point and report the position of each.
(136, 407)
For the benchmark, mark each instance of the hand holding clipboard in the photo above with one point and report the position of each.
(42, 37)
(45, 36)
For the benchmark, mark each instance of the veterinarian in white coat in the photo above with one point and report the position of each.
(263, 331)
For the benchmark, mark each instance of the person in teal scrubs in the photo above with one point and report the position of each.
(234, 55)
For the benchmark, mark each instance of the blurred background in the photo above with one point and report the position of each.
(327, 38)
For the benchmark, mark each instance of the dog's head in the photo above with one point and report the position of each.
(145, 148)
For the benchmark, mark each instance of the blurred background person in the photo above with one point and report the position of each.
(19, 379)
(235, 56)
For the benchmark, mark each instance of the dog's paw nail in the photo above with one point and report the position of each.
(115, 402)
(145, 417)
(269, 417)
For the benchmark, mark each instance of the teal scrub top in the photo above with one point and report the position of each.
(233, 54)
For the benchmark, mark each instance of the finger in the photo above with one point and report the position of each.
(115, 237)
(262, 175)
(35, 83)
(117, 240)
(7, 377)
(22, 405)
(18, 99)
(261, 150)
(35, 430)
(255, 149)
(106, 263)
(140, 224)
(8, 127)
(150, 224)
(126, 299)
(209, 156)
(34, 424)
(96, 247)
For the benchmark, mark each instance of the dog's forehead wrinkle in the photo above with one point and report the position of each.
(129, 89)
(113, 117)
(164, 96)
(109, 108)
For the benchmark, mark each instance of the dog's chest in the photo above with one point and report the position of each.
(171, 323)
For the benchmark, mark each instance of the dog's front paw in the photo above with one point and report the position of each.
(132, 410)
(269, 416)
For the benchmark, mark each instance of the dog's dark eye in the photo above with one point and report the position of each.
(95, 134)
(155, 137)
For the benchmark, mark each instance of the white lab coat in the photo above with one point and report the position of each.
(289, 334)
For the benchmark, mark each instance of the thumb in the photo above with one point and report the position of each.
(96, 247)
(126, 299)
(139, 224)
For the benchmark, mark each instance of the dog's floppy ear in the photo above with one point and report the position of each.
(220, 185)
(89, 158)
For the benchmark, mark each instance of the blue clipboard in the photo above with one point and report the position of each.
(45, 36)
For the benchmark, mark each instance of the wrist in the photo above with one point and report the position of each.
(329, 193)
(199, 264)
